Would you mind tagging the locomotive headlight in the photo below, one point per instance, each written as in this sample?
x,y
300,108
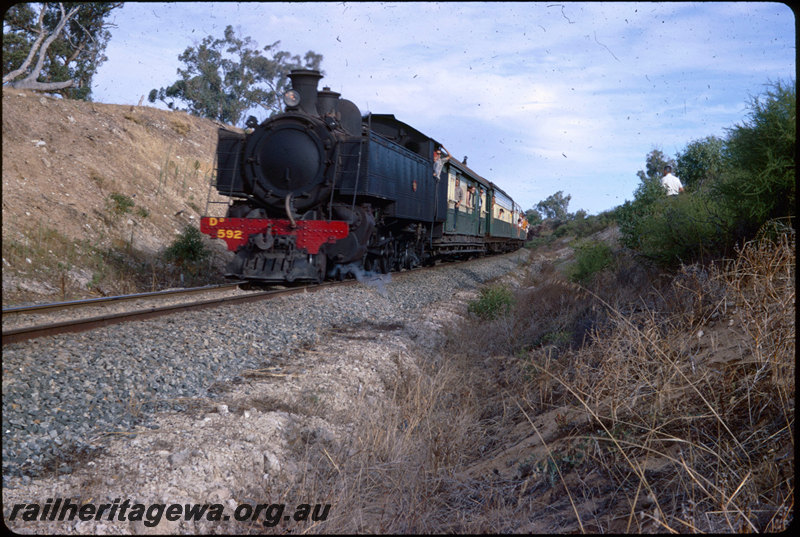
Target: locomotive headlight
x,y
291,98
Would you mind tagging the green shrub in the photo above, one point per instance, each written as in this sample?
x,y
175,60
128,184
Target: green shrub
x,y
188,248
733,186
562,231
561,338
542,240
582,225
493,302
590,258
759,180
676,229
632,215
700,163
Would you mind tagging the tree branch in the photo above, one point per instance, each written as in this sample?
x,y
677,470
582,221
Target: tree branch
x,y
40,63
29,82
75,54
22,68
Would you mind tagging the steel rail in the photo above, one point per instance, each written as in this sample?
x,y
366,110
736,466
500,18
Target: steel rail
x,y
118,298
15,335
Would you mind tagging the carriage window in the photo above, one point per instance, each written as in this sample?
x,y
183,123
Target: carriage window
x,y
502,213
451,182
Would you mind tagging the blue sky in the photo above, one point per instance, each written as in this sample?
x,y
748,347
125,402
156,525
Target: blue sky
x,y
542,97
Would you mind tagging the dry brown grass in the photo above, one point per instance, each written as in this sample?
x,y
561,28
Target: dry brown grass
x,y
387,477
641,424
159,160
692,406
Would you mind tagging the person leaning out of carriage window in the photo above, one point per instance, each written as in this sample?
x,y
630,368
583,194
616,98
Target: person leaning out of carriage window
x,y
670,182
478,203
439,159
470,196
458,200
458,194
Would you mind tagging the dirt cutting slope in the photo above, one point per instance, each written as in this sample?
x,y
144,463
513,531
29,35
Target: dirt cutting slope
x,y
66,164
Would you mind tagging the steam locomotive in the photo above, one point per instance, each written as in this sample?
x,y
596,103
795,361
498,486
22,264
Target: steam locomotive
x,y
320,191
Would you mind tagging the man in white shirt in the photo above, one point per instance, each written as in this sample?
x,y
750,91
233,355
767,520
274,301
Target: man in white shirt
x,y
670,182
439,160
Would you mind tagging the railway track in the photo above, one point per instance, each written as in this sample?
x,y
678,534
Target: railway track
x,y
21,323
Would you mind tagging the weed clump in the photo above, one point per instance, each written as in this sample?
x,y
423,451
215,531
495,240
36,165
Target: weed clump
x,y
494,302
180,127
120,203
590,258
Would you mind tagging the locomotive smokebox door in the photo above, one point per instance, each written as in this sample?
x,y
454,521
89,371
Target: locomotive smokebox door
x,y
288,158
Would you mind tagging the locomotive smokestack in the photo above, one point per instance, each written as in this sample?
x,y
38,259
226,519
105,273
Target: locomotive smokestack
x,y
305,82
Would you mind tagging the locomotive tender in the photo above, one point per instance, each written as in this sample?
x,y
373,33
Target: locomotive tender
x,y
322,191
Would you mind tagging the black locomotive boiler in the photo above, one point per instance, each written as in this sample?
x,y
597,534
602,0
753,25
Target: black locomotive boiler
x,y
322,191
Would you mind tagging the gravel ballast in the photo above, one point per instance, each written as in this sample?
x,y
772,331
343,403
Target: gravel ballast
x,y
63,395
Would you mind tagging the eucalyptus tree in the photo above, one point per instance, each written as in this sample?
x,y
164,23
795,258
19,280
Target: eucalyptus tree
x,y
555,206
222,78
